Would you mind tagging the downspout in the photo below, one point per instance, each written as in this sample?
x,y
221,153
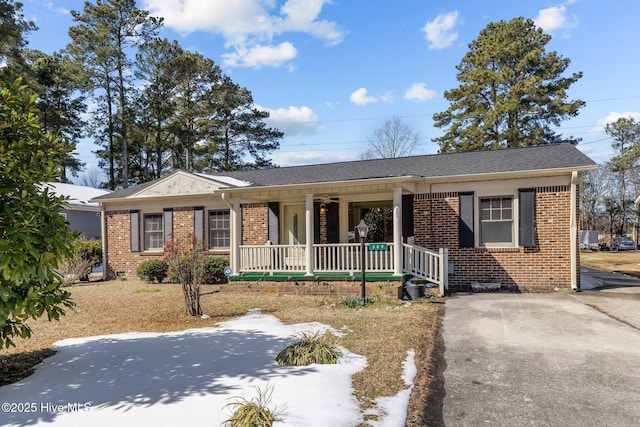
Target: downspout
x,y
233,252
573,231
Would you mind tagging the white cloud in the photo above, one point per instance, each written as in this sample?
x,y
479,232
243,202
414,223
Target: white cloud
x,y
555,18
440,32
612,117
260,56
292,120
361,97
301,15
249,26
419,92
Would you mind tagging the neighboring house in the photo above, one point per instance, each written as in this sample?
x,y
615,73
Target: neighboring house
x,y
82,215
506,216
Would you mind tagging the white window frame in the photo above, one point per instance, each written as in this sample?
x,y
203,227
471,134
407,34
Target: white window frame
x,y
146,216
511,193
210,229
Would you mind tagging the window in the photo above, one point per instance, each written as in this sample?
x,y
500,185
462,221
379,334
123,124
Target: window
x,y
219,229
496,220
153,232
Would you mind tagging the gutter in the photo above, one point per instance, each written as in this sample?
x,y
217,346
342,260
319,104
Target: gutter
x,y
573,231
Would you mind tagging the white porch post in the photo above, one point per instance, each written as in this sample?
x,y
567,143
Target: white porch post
x,y
236,236
309,233
397,231
343,209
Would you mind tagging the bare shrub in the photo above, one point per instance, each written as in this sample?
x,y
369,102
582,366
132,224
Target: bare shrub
x,y
184,257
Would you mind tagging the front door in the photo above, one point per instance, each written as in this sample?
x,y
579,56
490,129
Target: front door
x,y
294,230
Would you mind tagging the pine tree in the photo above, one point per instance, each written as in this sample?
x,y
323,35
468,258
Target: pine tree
x,y
13,42
512,91
238,137
105,33
59,101
157,104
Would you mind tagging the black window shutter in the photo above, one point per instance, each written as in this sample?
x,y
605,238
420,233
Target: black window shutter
x,y
134,230
407,216
465,203
167,224
316,222
274,229
198,224
527,220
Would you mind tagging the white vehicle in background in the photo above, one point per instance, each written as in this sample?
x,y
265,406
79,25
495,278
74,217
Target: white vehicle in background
x,y
589,240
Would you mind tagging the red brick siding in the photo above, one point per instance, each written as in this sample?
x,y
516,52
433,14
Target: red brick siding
x,y
255,224
543,267
120,260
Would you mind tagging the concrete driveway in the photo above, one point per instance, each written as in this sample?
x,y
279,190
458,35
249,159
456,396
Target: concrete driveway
x,y
541,360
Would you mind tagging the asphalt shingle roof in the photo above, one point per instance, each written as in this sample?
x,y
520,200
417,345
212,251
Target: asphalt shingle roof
x,y
545,157
555,156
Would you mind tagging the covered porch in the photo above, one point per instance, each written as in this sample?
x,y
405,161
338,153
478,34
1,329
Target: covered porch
x,y
343,262
317,239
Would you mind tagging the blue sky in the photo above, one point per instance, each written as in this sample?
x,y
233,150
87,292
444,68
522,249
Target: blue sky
x,y
330,72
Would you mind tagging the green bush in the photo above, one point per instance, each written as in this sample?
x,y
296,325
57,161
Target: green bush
x,y
88,249
86,254
213,270
310,349
152,270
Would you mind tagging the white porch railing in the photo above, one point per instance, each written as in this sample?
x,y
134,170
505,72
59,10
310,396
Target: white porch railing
x,y
346,257
430,265
273,258
337,257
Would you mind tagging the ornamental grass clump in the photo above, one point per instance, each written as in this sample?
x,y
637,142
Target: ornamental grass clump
x,y
254,412
356,302
311,348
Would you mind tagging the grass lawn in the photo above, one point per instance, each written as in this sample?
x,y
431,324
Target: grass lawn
x,y
382,332
627,262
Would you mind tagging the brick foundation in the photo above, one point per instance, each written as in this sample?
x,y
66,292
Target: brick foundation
x,y
340,289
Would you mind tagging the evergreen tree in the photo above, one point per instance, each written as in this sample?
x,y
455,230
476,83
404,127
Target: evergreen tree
x,y
626,143
157,68
238,138
512,90
196,77
106,32
60,103
34,237
13,44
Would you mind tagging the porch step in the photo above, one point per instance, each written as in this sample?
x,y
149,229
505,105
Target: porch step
x,y
421,281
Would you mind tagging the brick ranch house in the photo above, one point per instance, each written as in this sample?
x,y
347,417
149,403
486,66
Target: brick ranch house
x,y
505,216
